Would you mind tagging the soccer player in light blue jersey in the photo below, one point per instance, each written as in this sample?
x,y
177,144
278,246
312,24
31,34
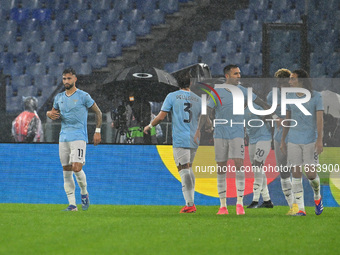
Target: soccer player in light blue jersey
x,y
282,76
229,138
72,107
259,148
304,141
185,109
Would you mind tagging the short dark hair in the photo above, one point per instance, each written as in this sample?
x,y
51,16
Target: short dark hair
x,y
184,79
69,70
229,67
305,80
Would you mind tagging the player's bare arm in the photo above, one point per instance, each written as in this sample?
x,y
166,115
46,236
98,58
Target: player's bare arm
x,y
54,114
159,118
319,126
97,136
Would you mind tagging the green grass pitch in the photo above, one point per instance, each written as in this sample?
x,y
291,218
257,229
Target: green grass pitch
x,y
113,229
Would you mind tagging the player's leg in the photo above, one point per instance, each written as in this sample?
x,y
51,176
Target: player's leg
x,y
311,160
295,159
182,160
236,152
78,153
285,173
69,185
192,157
221,157
257,178
262,150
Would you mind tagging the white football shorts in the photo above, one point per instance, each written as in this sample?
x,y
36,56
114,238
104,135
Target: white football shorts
x,y
72,152
228,149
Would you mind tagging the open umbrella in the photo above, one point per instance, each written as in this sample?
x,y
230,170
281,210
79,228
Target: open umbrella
x,y
152,84
331,103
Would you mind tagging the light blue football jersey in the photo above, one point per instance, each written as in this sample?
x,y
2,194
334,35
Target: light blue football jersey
x,y
225,111
305,131
73,111
256,134
277,131
185,108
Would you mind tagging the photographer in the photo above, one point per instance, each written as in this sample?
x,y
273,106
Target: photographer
x,y
130,118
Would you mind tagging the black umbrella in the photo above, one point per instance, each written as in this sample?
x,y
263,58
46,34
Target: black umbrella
x,y
151,84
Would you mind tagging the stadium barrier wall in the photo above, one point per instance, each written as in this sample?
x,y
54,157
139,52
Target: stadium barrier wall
x,y
116,174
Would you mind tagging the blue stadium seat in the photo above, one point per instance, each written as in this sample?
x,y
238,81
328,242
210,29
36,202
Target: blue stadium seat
x,y
298,5
87,49
8,26
244,16
8,5
239,37
65,47
119,27
247,70
291,16
29,25
57,70
230,26
268,15
31,4
112,49
142,28
76,59
58,5
78,5
36,69
65,17
225,48
215,37
31,36
42,47
217,69
87,16
253,26
72,27
147,6
21,81
187,58
50,59
201,47
252,47
8,37
84,69
27,91
126,39
156,17
93,27
123,5
279,5
133,16
14,104
239,58
168,6
211,58
98,61
258,5
43,81
109,16
42,15
50,27
19,15
55,37
101,5
78,36
29,58
18,47
255,59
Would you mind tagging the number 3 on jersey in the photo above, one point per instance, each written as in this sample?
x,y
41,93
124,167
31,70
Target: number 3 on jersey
x,y
187,109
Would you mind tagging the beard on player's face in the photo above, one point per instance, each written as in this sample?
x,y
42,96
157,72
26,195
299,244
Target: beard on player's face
x,y
69,85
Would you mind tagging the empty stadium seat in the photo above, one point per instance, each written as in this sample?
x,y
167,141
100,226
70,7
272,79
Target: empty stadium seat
x,y
19,15
36,69
230,26
98,61
147,6
168,6
87,16
42,15
21,81
211,58
142,28
133,16
123,5
121,26
244,16
126,39
84,69
87,49
225,48
201,47
112,49
65,47
187,58
215,37
156,17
